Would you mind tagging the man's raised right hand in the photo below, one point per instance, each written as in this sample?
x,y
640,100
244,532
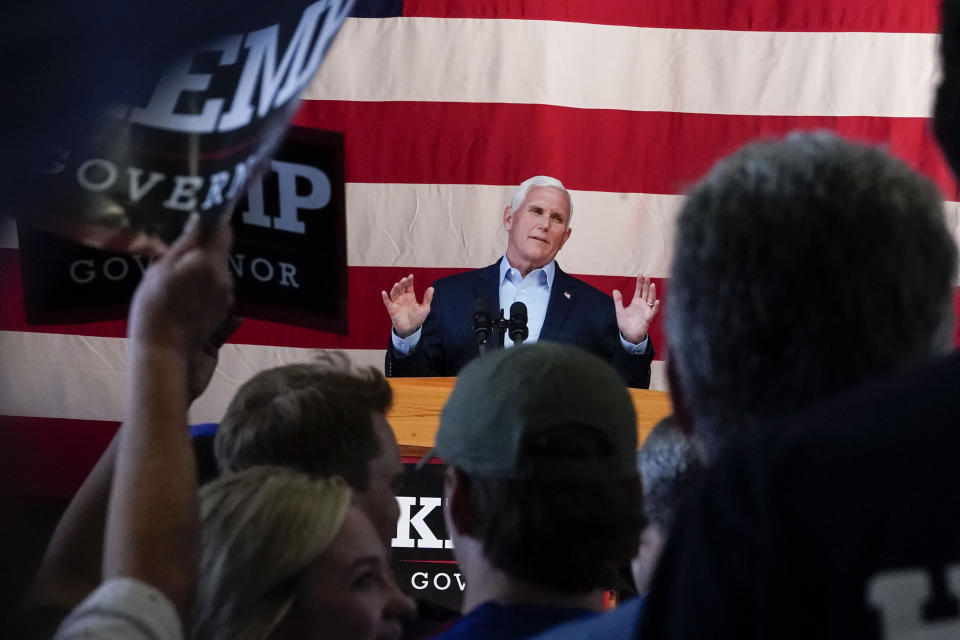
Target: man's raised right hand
x,y
406,313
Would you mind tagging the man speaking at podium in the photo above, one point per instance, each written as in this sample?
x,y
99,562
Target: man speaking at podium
x,y
438,336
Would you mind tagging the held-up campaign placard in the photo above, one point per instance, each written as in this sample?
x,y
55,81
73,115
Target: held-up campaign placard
x,y
288,259
134,172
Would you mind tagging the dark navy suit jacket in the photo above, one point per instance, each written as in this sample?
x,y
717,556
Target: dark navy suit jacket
x,y
577,314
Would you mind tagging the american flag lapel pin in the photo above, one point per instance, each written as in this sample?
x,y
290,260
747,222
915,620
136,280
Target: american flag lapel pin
x,y
566,294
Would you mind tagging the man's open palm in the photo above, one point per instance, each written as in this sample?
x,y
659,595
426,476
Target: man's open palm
x,y
406,314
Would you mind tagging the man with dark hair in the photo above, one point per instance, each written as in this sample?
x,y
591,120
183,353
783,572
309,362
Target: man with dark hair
x,y
669,466
325,418
802,267
875,465
542,495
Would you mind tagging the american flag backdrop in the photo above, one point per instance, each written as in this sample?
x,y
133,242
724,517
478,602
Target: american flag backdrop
x,y
446,105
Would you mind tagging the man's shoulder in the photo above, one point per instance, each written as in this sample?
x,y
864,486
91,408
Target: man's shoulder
x,y
872,418
510,621
616,624
793,507
581,288
123,608
465,278
905,422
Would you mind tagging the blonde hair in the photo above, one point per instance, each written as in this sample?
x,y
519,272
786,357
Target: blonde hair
x,y
261,529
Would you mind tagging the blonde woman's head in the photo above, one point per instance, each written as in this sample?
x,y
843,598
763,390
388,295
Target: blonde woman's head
x,y
284,554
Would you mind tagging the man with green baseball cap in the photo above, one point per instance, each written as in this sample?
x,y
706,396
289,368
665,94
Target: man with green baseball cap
x,y
542,495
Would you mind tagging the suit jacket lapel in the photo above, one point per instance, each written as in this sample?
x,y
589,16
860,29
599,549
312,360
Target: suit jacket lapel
x,y
487,287
562,296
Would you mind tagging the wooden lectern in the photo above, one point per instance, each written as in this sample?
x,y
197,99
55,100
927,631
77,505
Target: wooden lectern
x,y
417,403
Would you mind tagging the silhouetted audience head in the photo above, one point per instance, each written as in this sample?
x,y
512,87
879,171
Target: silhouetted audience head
x,y
669,465
325,418
541,480
285,555
871,464
801,267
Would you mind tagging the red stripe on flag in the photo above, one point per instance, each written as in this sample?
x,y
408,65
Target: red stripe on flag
x,y
369,325
903,16
50,457
13,314
588,149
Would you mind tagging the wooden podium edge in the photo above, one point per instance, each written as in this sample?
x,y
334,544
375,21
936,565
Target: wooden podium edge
x,y
417,403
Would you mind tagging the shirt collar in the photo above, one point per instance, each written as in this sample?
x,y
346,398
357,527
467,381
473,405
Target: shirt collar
x,y
548,270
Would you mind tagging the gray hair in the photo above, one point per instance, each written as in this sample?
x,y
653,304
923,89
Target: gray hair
x,y
669,464
800,268
261,529
540,181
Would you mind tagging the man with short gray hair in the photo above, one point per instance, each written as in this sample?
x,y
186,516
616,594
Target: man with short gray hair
x,y
833,264
435,336
802,267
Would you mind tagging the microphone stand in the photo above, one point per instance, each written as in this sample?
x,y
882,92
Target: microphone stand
x,y
516,325
481,324
501,324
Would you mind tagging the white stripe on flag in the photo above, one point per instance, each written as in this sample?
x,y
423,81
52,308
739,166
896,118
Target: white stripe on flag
x,y
47,375
643,69
460,226
614,234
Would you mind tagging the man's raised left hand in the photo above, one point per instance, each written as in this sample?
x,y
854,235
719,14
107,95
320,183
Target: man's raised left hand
x,y
634,320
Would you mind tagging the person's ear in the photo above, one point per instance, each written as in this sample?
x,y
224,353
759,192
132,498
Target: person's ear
x,y
566,236
507,218
456,490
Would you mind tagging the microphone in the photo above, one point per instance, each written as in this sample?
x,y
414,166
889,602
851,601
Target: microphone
x,y
481,322
518,322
